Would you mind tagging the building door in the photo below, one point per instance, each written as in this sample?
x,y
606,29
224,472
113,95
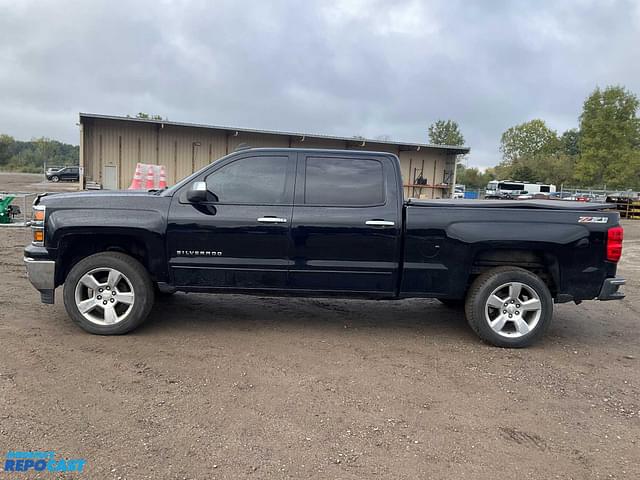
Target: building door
x,y
110,177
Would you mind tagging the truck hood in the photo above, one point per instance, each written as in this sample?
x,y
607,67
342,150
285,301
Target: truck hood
x,y
103,199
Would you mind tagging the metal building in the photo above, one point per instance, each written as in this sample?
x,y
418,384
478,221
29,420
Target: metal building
x,y
111,146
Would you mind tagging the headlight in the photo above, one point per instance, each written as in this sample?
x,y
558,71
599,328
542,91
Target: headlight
x,y
37,225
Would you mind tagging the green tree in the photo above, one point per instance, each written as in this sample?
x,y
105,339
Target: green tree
x,y
527,140
147,116
524,172
472,177
610,139
570,142
16,155
445,132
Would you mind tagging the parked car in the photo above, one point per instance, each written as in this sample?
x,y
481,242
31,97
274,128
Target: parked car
x,y
458,191
71,174
583,197
320,223
560,196
534,196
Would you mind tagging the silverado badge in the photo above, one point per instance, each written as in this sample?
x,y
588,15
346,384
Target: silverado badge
x,y
197,253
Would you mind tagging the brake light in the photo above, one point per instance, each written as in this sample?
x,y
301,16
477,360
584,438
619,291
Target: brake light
x,y
614,243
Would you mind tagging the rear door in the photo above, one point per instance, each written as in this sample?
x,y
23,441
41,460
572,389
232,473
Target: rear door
x,y
238,238
346,224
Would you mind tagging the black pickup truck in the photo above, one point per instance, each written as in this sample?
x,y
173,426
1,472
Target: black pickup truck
x,y
320,223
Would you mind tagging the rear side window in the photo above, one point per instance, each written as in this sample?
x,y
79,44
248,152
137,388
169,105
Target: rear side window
x,y
252,180
343,181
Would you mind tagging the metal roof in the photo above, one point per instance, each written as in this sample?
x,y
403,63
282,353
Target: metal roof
x,y
457,150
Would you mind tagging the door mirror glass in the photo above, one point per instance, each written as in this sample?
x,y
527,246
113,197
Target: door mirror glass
x,y
197,192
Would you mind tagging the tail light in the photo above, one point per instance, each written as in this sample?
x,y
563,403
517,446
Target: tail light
x,y
614,243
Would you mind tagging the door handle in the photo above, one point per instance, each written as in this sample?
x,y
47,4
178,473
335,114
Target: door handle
x,y
380,223
272,220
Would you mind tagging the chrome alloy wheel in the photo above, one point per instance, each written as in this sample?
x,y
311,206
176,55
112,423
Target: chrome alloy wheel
x,y
513,309
104,296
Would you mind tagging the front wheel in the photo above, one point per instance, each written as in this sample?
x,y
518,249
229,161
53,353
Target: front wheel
x,y
509,307
55,179
108,293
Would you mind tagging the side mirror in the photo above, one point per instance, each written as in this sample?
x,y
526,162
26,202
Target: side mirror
x,y
197,192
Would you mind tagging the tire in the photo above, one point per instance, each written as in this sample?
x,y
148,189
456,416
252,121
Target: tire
x,y
113,290
452,302
528,313
55,179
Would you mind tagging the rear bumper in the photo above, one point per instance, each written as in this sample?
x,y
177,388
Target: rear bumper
x,y
609,290
41,274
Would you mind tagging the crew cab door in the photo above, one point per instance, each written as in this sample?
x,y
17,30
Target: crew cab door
x,y
239,237
346,224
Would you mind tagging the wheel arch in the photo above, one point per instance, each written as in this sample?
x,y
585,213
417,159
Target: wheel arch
x,y
538,261
140,245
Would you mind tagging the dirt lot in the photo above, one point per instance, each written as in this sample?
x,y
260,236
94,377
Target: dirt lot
x,y
32,182
243,387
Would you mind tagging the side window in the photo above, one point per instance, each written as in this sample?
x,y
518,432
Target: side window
x,y
344,181
252,180
545,188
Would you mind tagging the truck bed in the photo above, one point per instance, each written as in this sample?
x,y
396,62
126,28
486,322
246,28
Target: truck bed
x,y
536,204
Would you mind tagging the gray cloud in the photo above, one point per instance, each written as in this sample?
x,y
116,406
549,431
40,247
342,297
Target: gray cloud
x,y
346,68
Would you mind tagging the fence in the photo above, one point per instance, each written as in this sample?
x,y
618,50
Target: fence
x,y
23,201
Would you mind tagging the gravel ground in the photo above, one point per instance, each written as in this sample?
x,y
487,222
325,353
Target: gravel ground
x,y
230,386
32,182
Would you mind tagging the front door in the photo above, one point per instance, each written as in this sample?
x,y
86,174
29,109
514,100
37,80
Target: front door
x,y
346,224
239,238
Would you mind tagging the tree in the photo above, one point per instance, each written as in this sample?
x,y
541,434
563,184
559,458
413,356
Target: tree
x,y
527,140
610,139
445,132
472,177
30,156
570,142
524,172
147,116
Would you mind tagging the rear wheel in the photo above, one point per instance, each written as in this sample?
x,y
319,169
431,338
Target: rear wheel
x,y
509,307
108,293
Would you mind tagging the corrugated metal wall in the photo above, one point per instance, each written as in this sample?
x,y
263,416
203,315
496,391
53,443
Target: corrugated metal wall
x,y
183,150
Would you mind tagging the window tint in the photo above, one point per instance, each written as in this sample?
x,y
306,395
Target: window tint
x,y
511,186
545,188
344,181
252,180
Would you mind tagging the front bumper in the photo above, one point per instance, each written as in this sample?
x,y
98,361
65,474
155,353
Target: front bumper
x,y
41,274
609,290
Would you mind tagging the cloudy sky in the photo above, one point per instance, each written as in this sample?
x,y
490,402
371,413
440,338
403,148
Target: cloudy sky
x,y
353,67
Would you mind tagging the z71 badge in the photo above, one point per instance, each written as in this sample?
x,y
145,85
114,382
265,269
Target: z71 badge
x,y
593,219
197,253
